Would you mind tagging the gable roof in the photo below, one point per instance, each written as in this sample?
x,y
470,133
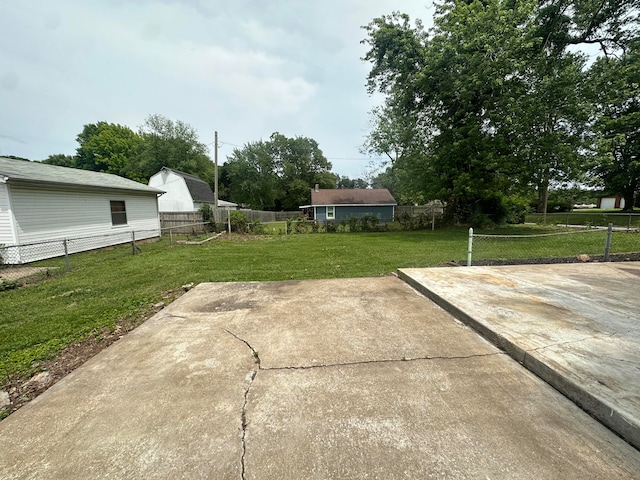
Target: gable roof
x,y
14,171
352,196
199,189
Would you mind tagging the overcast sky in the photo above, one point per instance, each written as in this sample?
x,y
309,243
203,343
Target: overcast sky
x,y
245,68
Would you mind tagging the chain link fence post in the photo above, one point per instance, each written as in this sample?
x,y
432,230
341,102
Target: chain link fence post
x,y
133,242
470,247
607,245
66,255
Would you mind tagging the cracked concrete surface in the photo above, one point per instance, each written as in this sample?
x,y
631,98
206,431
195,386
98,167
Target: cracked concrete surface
x,y
351,378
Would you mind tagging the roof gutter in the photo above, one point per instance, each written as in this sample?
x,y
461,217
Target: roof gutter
x,y
26,182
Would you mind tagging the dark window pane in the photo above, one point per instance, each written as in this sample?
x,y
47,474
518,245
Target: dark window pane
x,y
118,212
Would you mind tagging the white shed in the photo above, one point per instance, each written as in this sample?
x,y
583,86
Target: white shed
x,y
610,202
184,192
41,203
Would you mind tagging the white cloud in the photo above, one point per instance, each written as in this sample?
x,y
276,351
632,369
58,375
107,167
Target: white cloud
x,y
245,68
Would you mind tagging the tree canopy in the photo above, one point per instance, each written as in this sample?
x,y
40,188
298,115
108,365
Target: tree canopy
x,y
616,84
276,174
159,142
491,102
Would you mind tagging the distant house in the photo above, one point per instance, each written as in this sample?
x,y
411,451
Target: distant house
x,y
184,192
340,204
609,202
40,202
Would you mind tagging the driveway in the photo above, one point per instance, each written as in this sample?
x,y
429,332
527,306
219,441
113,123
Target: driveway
x,y
350,378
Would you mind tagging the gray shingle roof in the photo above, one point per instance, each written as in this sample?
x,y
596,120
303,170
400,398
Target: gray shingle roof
x,y
352,196
199,189
21,171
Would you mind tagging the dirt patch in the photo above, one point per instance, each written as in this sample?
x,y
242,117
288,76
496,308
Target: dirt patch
x,y
23,389
22,273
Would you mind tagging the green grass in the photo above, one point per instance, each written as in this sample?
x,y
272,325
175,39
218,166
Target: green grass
x,y
588,217
38,321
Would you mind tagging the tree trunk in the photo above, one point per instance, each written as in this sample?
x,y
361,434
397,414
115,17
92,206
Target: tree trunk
x,y
543,196
629,201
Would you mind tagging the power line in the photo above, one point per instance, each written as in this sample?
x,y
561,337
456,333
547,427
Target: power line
x,y
355,158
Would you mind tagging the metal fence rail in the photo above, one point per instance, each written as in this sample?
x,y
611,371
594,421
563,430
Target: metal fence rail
x,y
63,247
599,243
629,220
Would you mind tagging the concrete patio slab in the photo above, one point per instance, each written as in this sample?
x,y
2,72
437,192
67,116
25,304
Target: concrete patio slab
x,y
577,326
356,378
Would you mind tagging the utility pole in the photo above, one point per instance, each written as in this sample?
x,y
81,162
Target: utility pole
x,y
215,190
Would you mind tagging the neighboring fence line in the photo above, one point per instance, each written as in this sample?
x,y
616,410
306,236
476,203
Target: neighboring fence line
x,y
175,220
601,242
431,209
630,220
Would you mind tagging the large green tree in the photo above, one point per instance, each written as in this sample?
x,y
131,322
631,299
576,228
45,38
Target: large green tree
x,y
107,147
452,83
172,144
617,96
278,173
491,101
61,160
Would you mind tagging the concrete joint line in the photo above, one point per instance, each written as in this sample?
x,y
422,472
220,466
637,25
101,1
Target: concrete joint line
x,y
243,415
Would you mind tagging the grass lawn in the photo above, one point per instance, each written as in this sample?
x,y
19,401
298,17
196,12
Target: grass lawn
x,y
38,321
599,218
103,287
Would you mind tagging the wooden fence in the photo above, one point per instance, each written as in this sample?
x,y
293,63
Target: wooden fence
x,y
181,222
191,222
431,209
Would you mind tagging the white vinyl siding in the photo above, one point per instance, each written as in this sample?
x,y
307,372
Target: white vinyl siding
x,y
177,197
6,225
45,214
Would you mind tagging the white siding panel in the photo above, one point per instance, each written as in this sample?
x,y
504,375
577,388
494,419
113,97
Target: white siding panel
x,y
84,217
177,197
608,203
6,230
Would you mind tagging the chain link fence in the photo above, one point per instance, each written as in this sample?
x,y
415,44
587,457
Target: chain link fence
x,y
628,220
601,244
32,252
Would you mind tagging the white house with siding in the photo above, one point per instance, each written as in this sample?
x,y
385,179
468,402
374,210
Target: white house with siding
x,y
42,203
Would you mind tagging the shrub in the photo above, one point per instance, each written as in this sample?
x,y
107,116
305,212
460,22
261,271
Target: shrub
x,y
515,209
8,285
369,222
238,222
394,226
257,228
208,217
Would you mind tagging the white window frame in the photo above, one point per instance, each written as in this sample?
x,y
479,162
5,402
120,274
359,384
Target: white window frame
x,y
118,217
332,215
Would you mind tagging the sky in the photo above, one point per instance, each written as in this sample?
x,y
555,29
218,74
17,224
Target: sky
x,y
244,68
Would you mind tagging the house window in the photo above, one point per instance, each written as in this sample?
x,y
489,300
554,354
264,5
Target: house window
x,y
331,213
118,212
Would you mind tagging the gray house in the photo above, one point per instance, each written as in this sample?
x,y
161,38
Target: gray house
x,y
340,204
